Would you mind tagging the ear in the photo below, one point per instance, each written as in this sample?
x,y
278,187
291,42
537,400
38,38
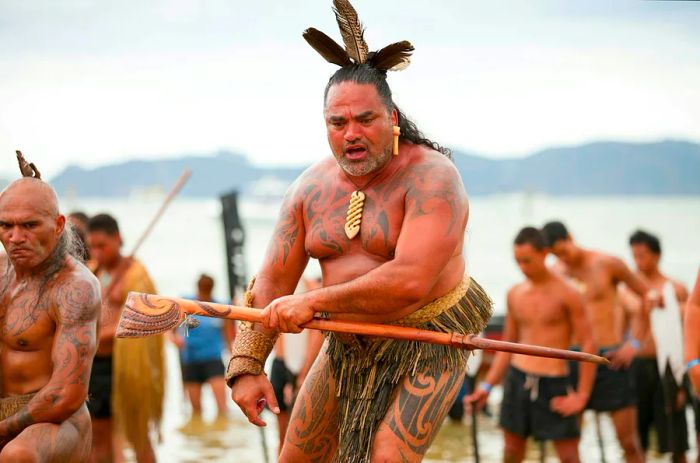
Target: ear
x,y
394,117
60,224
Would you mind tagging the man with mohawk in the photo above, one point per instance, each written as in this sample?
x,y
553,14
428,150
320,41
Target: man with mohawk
x,y
49,307
385,217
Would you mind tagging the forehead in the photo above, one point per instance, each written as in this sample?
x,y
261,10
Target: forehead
x,y
525,248
100,235
353,97
640,248
22,209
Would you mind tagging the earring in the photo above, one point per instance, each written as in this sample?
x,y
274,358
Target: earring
x,y
397,132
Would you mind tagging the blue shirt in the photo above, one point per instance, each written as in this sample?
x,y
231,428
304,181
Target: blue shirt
x,y
205,342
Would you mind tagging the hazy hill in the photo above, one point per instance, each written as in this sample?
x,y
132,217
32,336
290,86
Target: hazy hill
x,y
662,168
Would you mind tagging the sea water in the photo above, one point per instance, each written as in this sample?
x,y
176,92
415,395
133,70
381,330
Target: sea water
x,y
188,240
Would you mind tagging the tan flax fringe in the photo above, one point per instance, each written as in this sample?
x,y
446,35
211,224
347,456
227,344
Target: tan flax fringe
x,y
11,405
138,375
367,372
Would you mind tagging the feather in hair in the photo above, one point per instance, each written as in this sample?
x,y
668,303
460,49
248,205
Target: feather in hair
x,y
327,47
394,57
351,30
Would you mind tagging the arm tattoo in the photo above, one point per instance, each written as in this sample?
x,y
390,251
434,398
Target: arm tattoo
x,y
286,233
431,183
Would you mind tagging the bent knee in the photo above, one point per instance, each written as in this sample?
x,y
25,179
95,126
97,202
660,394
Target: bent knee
x,y
18,453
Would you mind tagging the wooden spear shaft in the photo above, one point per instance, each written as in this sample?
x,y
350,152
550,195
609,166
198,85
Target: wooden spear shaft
x,y
147,314
121,271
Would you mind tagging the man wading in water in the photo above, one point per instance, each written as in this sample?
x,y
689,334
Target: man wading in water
x,y
385,217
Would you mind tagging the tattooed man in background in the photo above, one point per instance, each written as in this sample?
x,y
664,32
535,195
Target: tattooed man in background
x,y
388,232
49,306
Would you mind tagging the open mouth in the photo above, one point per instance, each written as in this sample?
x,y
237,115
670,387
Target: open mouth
x,y
355,152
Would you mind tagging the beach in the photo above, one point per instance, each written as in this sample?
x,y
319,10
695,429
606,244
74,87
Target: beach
x,y
189,240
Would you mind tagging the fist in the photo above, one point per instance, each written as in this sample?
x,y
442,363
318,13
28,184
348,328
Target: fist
x,y
287,313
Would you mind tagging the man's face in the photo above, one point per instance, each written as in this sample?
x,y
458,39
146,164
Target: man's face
x,y
28,231
565,250
530,260
104,248
644,259
359,127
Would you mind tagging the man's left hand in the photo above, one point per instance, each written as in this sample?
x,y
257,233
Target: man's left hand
x,y
622,357
287,313
569,404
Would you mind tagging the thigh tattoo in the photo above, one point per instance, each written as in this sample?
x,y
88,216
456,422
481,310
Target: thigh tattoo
x,y
420,406
313,425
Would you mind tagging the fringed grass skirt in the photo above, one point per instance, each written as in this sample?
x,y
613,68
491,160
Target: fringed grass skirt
x,y
11,405
368,371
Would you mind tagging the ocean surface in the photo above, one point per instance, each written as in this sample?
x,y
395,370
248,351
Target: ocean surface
x,y
189,240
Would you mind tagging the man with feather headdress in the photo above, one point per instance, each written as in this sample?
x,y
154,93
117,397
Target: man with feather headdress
x,y
385,217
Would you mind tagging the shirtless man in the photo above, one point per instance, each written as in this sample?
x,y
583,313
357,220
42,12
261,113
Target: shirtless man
x,y
651,405
598,276
49,306
538,396
366,399
127,382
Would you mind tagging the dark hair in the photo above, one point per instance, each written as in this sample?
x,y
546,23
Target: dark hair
x,y
80,216
533,236
651,241
365,74
205,282
555,231
104,223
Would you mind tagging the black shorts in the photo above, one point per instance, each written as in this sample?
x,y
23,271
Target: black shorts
x,y
280,376
100,389
651,409
201,372
524,413
613,389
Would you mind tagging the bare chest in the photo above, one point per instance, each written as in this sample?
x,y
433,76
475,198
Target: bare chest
x,y
539,311
595,284
325,216
25,323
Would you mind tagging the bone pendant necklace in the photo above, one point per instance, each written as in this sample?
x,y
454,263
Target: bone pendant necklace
x,y
353,219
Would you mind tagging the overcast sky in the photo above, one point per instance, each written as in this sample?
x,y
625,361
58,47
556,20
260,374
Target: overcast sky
x,y
99,81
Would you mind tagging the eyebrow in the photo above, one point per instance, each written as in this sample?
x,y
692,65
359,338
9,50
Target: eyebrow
x,y
362,115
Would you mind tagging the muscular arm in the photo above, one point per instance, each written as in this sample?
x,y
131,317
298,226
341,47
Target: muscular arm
x,y
436,212
286,257
77,309
582,328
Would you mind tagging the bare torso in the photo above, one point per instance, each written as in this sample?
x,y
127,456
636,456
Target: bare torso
x,y
326,194
27,328
542,317
596,279
633,303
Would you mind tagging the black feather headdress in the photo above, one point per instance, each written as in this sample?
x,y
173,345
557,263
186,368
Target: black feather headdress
x,y
394,57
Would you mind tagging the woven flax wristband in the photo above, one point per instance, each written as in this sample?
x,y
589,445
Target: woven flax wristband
x,y
250,349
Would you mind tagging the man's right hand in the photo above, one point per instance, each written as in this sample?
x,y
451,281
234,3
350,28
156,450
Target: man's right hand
x,y
251,392
476,399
